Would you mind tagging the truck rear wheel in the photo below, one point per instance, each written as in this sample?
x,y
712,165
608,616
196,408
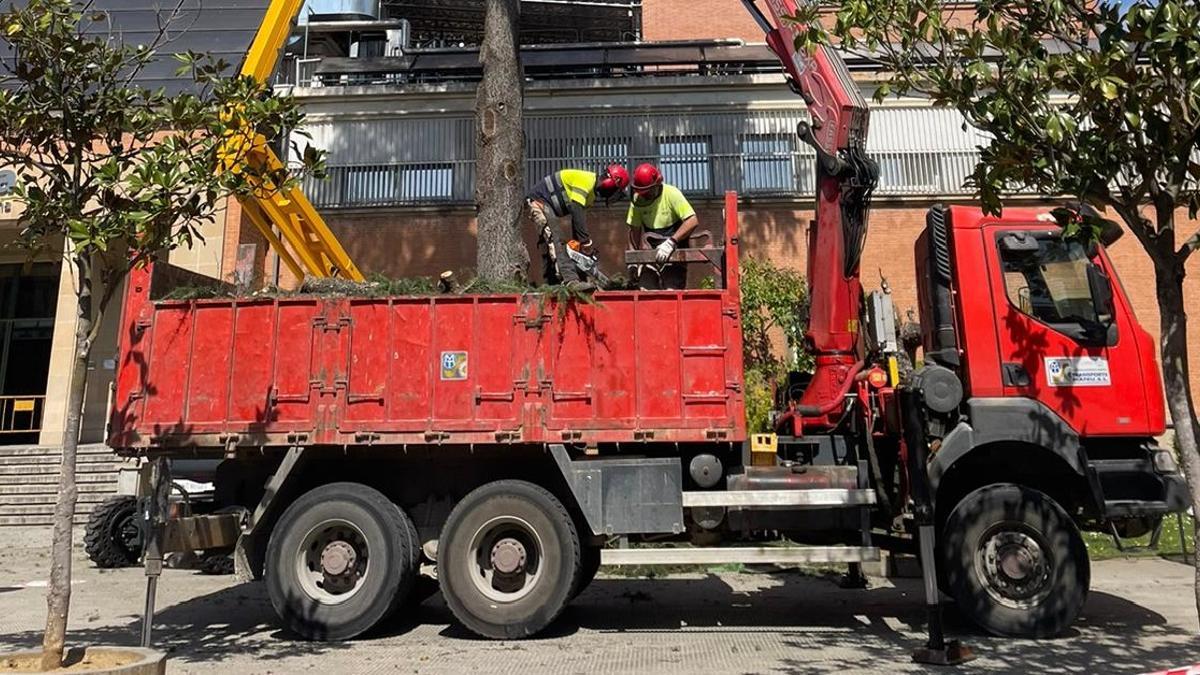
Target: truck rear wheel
x,y
508,559
341,559
113,536
589,565
1015,562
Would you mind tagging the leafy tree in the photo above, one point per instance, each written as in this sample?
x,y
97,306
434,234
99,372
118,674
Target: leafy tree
x,y
116,175
774,303
1097,100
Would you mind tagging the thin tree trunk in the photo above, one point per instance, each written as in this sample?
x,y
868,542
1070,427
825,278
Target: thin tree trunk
x,y
58,595
1173,346
499,182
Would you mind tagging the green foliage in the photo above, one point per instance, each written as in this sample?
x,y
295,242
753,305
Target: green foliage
x,y
774,303
1099,100
120,172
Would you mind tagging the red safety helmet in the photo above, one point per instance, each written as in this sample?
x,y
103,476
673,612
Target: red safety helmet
x,y
646,177
613,181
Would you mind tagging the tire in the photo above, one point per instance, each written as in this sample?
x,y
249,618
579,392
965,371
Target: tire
x,y
316,577
113,537
589,565
515,525
1015,562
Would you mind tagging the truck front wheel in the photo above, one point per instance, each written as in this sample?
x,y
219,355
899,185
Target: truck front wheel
x,y
341,559
508,559
1015,562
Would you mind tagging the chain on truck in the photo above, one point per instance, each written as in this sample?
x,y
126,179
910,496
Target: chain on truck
x,y
510,447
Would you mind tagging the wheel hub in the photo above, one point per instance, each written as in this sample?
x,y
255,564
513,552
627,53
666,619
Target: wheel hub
x,y
338,558
1015,569
332,561
508,556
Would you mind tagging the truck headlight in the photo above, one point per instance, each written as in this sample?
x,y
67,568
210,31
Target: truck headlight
x,y
1164,462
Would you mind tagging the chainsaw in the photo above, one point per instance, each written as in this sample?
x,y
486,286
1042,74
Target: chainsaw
x,y
588,264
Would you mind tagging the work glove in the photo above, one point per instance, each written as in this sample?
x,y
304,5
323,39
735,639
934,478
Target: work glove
x,y
664,251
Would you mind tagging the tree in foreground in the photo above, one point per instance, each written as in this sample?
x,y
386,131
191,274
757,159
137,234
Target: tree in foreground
x,y
1090,99
114,175
500,140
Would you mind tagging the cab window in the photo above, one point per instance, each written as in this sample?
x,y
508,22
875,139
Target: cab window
x,y
1048,279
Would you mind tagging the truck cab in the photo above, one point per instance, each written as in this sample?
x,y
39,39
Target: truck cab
x,y
1036,374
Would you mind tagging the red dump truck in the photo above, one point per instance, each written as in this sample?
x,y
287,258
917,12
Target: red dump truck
x,y
511,440
515,443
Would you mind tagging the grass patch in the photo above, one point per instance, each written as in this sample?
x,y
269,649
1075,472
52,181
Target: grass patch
x,y
1101,547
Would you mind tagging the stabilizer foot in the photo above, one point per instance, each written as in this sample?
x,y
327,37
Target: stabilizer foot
x,y
853,579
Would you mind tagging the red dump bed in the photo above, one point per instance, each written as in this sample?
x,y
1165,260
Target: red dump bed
x,y
636,366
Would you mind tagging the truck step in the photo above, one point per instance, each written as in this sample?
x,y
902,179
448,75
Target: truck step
x,y
749,554
780,499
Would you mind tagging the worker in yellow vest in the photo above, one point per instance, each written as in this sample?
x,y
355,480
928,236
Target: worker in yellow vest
x,y
569,192
661,218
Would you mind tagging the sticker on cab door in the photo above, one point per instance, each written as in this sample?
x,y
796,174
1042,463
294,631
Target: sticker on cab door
x,y
1085,371
454,365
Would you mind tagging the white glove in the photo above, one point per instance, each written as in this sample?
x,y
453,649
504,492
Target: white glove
x,y
664,251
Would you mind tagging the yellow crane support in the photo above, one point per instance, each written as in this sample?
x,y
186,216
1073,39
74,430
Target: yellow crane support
x,y
304,242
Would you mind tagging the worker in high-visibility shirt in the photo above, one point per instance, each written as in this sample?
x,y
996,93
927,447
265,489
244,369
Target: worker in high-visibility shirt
x,y
569,192
661,218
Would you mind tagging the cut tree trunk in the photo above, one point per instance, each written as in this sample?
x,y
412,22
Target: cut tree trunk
x,y
1173,345
58,594
499,184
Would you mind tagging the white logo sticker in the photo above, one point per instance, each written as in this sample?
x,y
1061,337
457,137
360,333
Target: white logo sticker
x,y
1084,371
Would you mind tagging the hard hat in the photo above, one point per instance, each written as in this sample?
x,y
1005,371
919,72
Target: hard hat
x,y
613,180
646,177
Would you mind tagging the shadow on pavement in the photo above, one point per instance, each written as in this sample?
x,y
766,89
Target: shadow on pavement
x,y
880,624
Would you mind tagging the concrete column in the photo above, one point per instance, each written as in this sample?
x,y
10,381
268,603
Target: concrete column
x,y
62,351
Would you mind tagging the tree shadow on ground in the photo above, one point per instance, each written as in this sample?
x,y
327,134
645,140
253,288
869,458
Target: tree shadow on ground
x,y
881,624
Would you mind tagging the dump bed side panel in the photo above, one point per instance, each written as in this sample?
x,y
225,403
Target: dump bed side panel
x,y
629,367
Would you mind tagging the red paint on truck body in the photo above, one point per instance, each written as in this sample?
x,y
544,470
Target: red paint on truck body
x,y
636,366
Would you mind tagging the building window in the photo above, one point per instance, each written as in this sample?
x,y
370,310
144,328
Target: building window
x,y
908,172
684,161
768,164
426,182
367,185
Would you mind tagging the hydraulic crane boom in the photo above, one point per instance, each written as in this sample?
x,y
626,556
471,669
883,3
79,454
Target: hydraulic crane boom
x,y
845,179
304,242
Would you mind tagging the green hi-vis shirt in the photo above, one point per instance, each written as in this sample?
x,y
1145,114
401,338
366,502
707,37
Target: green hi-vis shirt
x,y
665,213
559,189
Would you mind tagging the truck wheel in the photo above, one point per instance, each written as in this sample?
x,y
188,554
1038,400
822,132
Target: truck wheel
x,y
589,565
508,559
113,537
340,560
1015,562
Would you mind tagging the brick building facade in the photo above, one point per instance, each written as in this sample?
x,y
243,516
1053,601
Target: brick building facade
x,y
430,238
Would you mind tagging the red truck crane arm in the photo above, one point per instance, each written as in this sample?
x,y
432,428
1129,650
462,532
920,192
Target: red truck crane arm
x,y
846,178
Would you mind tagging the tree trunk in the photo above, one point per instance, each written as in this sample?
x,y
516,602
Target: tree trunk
x,y
499,183
58,595
1173,347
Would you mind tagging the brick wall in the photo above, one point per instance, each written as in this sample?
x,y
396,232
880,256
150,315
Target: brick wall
x,y
716,19
425,243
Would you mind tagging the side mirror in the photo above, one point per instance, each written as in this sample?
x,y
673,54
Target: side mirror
x,y
1101,291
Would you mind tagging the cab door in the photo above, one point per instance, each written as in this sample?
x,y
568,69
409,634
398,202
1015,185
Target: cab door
x,y
1060,340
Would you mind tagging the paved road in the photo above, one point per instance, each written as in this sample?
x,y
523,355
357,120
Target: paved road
x,y
1139,617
